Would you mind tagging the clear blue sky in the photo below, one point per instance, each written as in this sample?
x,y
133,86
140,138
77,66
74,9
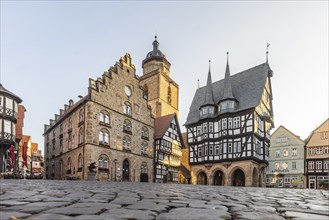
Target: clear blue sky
x,y
49,50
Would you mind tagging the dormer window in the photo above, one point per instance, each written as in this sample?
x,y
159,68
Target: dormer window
x,y
226,105
207,110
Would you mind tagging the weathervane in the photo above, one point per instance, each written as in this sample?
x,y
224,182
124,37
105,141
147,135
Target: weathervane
x,y
267,46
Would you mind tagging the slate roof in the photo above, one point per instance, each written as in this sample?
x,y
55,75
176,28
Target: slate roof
x,y
227,91
209,96
155,52
4,90
247,89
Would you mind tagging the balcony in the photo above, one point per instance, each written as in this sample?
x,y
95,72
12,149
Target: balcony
x,y
8,113
127,130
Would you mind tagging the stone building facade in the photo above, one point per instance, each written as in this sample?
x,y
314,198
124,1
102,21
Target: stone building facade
x,y
286,160
160,89
111,126
228,128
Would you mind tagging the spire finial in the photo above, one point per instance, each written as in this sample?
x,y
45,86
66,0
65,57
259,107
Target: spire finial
x,y
227,56
198,84
267,46
209,65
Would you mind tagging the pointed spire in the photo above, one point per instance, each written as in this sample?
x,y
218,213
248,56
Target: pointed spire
x,y
227,93
209,96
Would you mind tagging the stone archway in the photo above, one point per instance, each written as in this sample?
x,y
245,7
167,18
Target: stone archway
x,y
125,170
238,178
219,178
202,178
254,177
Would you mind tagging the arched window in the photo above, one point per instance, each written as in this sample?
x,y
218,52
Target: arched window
x,y
145,92
70,125
169,95
69,141
145,133
127,108
104,117
81,115
126,143
61,129
69,164
101,117
79,161
81,135
103,162
144,147
144,167
104,137
127,126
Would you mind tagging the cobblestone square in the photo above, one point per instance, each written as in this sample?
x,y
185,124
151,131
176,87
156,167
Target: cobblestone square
x,y
43,199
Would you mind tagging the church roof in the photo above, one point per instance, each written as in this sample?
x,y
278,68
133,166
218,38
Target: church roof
x,y
7,92
156,52
247,89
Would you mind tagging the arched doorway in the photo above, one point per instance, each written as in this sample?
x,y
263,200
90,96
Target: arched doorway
x,y
254,177
202,178
144,175
125,170
219,178
238,178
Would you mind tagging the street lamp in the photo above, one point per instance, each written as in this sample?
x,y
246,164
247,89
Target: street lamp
x,y
115,169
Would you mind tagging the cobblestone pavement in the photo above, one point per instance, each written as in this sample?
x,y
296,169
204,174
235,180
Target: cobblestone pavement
x,y
43,199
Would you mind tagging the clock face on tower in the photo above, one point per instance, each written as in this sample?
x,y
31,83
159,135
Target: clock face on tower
x,y
128,91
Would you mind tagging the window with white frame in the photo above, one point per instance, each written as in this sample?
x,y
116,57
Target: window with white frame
x,y
326,150
311,165
199,152
211,147
103,162
104,137
287,179
236,122
319,150
293,165
311,151
127,108
318,165
224,125
229,148
216,149
294,152
277,153
326,165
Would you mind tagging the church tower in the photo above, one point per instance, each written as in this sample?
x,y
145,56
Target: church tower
x,y
159,89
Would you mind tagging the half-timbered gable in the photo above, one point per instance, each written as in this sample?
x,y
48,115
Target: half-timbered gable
x,y
238,127
168,148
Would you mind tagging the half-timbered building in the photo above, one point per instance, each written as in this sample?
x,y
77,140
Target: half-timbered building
x,y
168,148
317,158
228,128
